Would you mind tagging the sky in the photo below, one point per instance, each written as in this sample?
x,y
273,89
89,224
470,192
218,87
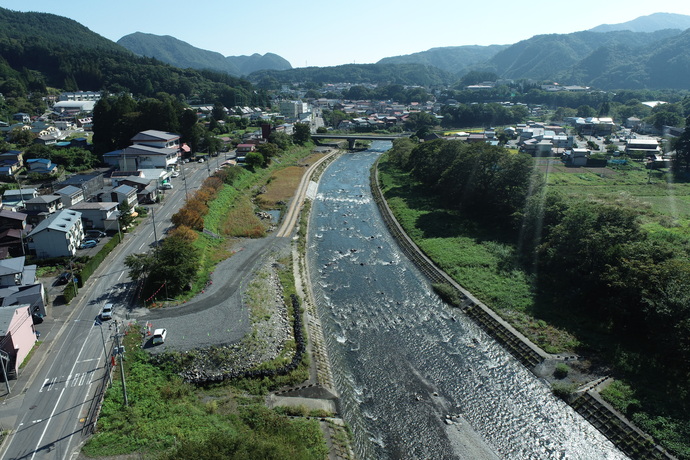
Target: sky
x,y
324,33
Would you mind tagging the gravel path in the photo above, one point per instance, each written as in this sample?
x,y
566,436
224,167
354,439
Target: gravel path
x,y
217,316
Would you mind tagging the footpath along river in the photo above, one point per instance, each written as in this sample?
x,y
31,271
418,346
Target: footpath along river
x,y
417,379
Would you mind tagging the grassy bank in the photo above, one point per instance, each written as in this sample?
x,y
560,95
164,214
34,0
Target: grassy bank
x,y
169,419
484,261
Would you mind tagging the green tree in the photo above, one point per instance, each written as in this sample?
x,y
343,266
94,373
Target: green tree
x,y
301,134
419,120
254,160
21,137
126,218
681,161
177,264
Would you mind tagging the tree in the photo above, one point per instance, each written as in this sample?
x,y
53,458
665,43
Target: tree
x,y
419,120
280,139
126,218
254,160
681,162
21,137
177,263
302,134
218,111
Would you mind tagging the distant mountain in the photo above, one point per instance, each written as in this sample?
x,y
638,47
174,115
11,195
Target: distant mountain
x,y
545,57
650,23
181,54
454,59
403,74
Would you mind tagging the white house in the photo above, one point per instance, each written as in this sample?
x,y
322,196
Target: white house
x,y
99,215
70,195
58,236
141,157
157,139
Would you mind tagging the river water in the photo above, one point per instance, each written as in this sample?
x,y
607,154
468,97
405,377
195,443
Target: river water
x,y
404,362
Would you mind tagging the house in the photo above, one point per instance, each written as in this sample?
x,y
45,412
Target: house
x,y
98,215
89,183
70,195
17,336
577,157
21,117
18,285
58,236
243,149
141,157
642,147
157,139
40,207
12,220
15,198
123,193
41,166
147,189
46,139
11,162
13,272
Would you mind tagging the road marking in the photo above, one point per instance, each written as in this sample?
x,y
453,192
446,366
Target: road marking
x,y
47,424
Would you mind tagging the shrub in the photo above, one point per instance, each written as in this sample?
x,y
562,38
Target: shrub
x,y
561,371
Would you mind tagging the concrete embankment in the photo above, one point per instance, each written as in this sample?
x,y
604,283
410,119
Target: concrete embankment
x,y
587,402
318,394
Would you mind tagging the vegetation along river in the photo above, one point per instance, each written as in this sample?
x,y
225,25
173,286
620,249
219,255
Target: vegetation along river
x,y
417,379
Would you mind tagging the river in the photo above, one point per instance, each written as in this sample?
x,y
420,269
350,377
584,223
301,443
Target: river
x,y
417,379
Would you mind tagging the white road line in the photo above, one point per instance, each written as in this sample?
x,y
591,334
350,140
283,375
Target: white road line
x,y
47,424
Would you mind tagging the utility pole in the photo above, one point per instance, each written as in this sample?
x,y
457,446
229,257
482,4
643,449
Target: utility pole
x,y
5,358
105,352
122,369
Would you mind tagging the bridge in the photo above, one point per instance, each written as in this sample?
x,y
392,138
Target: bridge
x,y
352,138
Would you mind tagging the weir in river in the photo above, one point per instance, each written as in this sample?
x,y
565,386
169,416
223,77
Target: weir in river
x,y
418,379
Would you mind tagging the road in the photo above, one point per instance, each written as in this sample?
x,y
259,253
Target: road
x,y
57,401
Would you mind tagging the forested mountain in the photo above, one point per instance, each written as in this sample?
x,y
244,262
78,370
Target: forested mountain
x,y
649,23
453,59
543,57
39,50
403,74
181,54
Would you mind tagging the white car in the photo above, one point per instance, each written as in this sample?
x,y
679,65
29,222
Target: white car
x,y
107,312
167,186
159,336
175,174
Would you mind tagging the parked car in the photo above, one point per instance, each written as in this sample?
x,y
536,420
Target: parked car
x,y
95,234
107,312
201,160
167,186
88,244
159,336
64,277
175,174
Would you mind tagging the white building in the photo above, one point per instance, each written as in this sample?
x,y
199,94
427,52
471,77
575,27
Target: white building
x,y
58,236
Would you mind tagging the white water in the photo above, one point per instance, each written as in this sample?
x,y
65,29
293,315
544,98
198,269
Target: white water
x,y
404,361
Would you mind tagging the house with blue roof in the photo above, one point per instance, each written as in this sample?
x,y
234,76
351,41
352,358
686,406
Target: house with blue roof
x,y
41,166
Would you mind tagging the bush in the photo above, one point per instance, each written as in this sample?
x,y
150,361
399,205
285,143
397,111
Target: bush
x,y
565,391
561,371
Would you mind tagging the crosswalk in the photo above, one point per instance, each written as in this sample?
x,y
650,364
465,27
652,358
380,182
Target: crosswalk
x,y
72,381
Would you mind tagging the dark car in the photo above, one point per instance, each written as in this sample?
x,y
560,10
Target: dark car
x,y
64,277
95,234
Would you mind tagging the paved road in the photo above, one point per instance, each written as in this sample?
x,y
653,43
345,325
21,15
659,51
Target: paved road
x,y
53,398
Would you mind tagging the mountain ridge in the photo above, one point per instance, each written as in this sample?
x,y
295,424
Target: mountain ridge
x,y
174,51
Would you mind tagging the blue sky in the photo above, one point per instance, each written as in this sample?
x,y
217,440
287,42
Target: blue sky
x,y
311,33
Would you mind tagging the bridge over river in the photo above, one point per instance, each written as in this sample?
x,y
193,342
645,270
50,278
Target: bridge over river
x,y
352,138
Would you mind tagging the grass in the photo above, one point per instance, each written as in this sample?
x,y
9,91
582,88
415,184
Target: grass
x,y
166,415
